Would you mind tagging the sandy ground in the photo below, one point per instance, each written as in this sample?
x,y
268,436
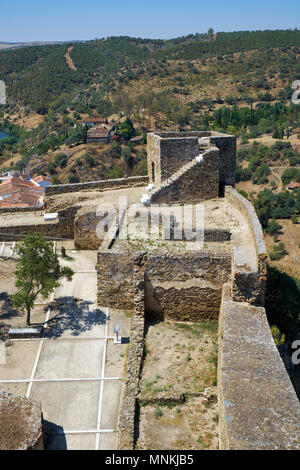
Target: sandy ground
x,y
181,358
110,198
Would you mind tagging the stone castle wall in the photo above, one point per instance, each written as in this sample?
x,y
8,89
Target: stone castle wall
x,y
180,286
135,358
169,151
193,183
186,287
227,157
61,228
250,286
115,286
258,406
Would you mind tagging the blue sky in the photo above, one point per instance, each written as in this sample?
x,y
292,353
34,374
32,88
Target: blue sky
x,y
60,20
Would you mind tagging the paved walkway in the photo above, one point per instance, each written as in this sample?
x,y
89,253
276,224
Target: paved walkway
x,y
75,369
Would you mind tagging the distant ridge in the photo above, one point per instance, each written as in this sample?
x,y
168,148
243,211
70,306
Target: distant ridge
x,y
17,45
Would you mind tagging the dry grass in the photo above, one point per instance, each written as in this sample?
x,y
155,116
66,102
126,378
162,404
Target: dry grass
x,y
180,358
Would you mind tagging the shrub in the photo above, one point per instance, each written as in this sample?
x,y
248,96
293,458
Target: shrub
x,y
279,337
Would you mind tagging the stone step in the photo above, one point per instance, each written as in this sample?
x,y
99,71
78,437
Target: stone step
x,y
174,176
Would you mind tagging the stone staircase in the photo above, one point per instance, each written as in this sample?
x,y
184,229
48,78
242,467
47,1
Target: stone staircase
x,y
174,177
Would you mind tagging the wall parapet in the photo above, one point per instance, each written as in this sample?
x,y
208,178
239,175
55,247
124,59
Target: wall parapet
x,y
258,406
131,182
135,357
201,175
250,287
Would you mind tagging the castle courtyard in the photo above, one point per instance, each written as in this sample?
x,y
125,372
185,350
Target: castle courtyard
x,y
75,371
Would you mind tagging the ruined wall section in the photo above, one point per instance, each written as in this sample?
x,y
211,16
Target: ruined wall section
x,y
101,185
115,287
183,286
20,423
227,157
186,287
63,228
154,158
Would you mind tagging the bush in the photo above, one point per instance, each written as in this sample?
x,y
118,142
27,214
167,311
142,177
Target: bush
x,y
273,227
61,160
90,160
279,338
278,252
142,168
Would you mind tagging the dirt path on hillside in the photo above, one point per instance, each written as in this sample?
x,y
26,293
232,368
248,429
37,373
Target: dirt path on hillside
x,y
277,177
69,60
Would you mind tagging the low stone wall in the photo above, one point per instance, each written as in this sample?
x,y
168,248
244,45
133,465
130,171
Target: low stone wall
x,y
131,182
250,286
21,209
20,423
258,406
134,360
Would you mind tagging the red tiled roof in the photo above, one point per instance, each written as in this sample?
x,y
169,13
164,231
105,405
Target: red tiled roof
x,y
39,178
98,131
17,191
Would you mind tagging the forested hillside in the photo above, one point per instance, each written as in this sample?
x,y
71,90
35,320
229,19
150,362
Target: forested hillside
x,y
239,83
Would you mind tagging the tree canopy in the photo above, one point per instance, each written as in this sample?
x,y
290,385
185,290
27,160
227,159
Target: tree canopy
x,y
38,272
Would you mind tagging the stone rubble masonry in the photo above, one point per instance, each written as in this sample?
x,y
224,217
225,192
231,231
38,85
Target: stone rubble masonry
x,y
169,151
258,406
21,209
250,287
85,229
135,357
20,423
115,287
186,286
181,286
194,182
61,228
102,185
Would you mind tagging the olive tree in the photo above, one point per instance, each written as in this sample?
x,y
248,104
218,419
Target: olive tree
x,y
38,272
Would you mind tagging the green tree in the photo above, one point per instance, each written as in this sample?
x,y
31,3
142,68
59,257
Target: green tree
x,y
38,272
273,227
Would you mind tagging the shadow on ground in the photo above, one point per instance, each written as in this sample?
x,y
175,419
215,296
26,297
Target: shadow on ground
x,y
7,312
75,316
55,438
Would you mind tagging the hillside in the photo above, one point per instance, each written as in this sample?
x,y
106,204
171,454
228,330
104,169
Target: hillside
x,y
239,83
